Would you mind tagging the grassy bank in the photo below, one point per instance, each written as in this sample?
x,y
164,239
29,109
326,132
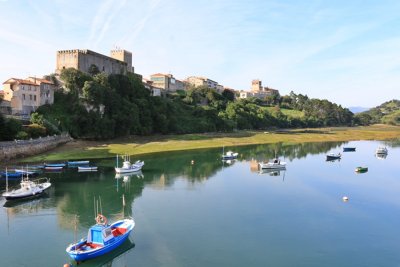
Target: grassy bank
x,y
161,143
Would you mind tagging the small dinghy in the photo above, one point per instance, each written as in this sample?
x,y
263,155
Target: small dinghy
x,y
87,168
333,156
361,169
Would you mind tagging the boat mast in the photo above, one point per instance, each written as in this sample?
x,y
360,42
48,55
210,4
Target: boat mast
x,y
6,180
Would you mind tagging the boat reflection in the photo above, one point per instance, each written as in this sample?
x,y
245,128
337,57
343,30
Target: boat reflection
x,y
272,172
27,204
128,175
381,156
116,257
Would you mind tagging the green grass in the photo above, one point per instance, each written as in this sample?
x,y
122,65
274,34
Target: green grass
x,y
161,143
288,112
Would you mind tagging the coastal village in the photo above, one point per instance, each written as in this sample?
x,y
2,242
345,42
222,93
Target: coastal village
x,y
21,96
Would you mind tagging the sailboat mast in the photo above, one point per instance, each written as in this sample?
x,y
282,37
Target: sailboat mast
x,y
6,180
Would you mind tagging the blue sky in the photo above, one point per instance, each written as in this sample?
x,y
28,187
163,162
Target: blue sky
x,y
345,51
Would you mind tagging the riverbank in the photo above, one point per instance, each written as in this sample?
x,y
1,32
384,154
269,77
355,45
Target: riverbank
x,y
138,145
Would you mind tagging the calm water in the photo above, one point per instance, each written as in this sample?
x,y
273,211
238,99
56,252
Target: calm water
x,y
220,214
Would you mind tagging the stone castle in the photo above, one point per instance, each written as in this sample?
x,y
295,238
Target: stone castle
x,y
119,62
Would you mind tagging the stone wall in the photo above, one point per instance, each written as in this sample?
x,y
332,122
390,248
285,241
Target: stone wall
x,y
22,148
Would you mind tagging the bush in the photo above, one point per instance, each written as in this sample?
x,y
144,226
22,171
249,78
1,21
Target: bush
x,y
22,135
35,130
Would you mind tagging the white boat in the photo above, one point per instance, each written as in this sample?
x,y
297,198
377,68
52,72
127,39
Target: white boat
x,y
230,155
87,168
28,189
127,166
381,150
274,164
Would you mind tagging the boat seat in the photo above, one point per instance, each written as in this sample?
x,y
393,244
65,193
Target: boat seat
x,y
118,231
93,245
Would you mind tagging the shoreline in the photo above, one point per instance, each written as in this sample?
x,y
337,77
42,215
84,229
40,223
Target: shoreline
x,y
140,145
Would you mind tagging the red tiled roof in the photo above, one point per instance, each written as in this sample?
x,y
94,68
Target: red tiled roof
x,y
41,80
20,81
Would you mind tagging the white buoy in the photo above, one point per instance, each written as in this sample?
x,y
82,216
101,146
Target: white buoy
x,y
192,162
345,198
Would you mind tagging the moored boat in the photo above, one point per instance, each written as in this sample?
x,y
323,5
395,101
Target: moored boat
x,y
230,155
361,169
272,164
381,150
77,163
87,168
127,166
9,175
101,238
55,165
349,149
28,188
333,156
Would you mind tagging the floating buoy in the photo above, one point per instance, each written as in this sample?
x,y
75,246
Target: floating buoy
x,y
67,265
345,198
192,162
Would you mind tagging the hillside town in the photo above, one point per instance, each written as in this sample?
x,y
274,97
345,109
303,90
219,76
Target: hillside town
x,y
22,96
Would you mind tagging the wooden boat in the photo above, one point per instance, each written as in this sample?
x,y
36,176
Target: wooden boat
x,y
272,165
349,149
76,163
361,169
127,166
333,156
87,168
381,150
101,238
29,188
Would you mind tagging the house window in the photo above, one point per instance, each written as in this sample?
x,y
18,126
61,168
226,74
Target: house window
x,y
23,96
30,97
34,98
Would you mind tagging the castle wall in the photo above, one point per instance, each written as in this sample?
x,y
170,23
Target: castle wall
x,y
83,59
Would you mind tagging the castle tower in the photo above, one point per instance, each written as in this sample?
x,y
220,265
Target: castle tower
x,y
256,86
124,56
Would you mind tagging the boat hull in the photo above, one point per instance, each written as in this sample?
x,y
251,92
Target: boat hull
x,y
124,170
349,149
87,169
76,163
272,166
99,252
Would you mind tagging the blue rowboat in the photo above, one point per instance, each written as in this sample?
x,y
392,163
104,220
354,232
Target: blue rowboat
x,y
11,174
349,149
75,163
55,165
102,238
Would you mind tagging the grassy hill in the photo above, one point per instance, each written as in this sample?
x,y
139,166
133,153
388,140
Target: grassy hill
x,y
288,112
387,113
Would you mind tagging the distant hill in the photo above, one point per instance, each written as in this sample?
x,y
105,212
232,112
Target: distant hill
x,y
387,113
358,109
